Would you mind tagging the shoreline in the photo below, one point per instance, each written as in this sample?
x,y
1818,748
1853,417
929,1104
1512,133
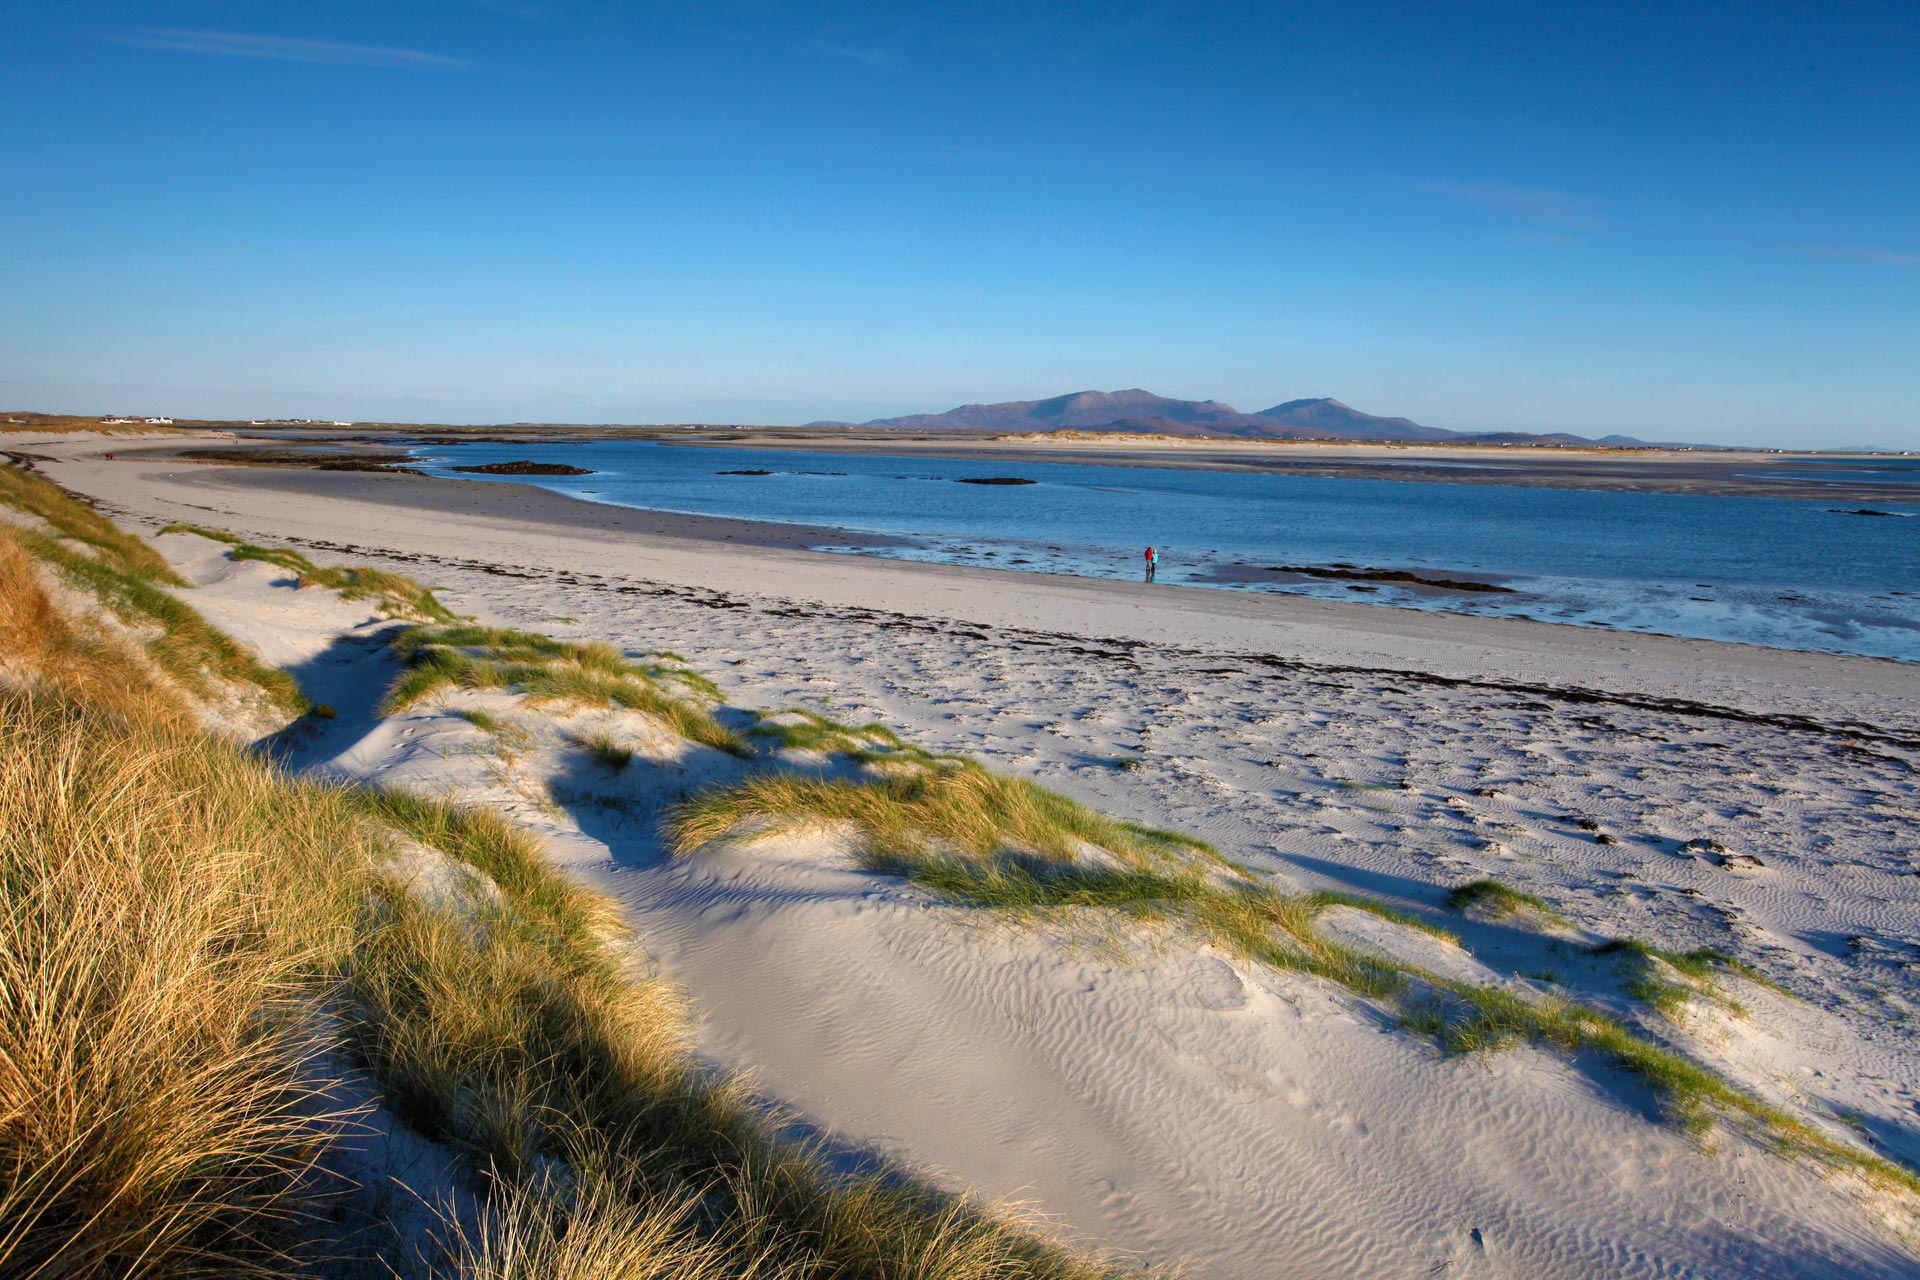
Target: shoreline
x,y
1169,1104
481,499
707,553
1716,474
478,499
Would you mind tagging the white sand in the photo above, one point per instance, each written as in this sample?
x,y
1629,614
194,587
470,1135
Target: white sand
x,y
1180,1105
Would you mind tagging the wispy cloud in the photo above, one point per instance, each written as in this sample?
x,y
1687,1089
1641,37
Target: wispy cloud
x,y
235,44
1530,205
870,44
513,8
1539,235
1863,253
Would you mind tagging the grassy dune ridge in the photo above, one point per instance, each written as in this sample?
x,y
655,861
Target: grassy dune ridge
x,y
548,670
394,594
51,542
194,944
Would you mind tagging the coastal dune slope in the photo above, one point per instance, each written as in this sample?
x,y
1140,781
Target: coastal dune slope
x,y
1156,1092
1148,1092
259,1026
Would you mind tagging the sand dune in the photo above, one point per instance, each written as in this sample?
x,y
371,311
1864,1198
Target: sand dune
x,y
1148,1092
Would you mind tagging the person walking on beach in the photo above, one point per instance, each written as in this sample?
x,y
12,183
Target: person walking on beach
x,y
1153,562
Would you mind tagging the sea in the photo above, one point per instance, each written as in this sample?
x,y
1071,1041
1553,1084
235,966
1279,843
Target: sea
x,y
1789,573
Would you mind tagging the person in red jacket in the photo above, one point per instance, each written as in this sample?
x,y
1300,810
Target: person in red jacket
x,y
1153,562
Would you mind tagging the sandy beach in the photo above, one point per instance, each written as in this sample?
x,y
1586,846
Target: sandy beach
x,y
1151,1095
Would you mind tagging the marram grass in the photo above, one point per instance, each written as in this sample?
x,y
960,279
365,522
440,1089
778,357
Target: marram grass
x,y
394,594
549,670
173,916
65,541
1496,901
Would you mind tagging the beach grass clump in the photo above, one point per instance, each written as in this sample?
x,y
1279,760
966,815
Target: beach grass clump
x,y
1497,901
483,721
43,648
1702,963
955,804
548,670
175,911
607,749
797,729
394,594
1653,974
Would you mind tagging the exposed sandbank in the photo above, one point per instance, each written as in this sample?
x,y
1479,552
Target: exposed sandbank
x,y
1740,474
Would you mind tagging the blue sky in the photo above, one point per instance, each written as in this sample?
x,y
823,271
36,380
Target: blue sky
x,y
1676,220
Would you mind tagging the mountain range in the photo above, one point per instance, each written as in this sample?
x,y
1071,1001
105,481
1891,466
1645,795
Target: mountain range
x,y
1142,411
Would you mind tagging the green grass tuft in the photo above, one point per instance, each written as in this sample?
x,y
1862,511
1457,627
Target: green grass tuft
x,y
1649,981
544,669
1497,901
395,594
607,750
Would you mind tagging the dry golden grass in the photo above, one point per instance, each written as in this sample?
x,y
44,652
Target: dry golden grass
x,y
41,648
156,655
172,911
551,1233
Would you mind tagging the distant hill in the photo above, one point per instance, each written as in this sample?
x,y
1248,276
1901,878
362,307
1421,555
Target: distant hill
x,y
1327,418
1083,409
1135,410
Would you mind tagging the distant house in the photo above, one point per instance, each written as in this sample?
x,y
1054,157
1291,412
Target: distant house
x,y
159,422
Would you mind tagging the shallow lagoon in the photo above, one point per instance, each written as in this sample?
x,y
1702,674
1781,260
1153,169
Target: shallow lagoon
x,y
1774,571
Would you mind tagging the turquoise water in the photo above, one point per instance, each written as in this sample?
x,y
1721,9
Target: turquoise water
x,y
1782,572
